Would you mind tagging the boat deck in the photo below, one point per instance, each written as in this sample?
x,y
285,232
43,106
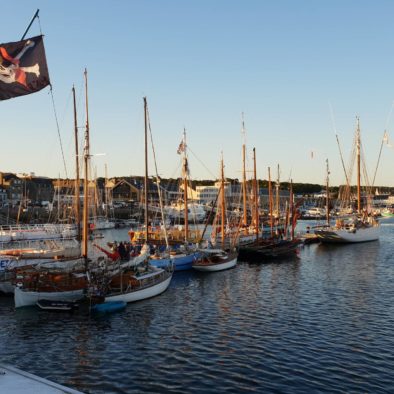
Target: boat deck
x,y
16,381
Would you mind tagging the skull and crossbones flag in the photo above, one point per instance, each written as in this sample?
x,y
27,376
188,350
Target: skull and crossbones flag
x,y
23,68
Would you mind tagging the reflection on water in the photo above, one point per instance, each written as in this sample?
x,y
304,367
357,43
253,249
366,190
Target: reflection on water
x,y
321,322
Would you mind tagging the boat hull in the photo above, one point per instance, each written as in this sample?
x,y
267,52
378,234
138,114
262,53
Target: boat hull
x,y
6,287
348,236
181,262
141,294
26,298
273,250
216,267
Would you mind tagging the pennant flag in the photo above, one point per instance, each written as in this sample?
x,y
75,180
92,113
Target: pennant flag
x,y
181,148
386,137
23,68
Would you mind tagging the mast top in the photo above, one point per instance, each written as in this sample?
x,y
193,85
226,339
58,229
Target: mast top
x,y
243,130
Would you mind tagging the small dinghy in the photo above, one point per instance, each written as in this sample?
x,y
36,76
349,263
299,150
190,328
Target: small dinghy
x,y
109,307
49,305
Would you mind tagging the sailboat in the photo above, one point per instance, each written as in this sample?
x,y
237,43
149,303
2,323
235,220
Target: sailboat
x,y
146,280
242,232
275,246
69,280
217,259
183,239
358,228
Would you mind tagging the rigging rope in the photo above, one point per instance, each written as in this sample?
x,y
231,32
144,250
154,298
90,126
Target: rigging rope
x,y
346,189
53,104
39,24
214,176
58,130
380,154
158,180
384,139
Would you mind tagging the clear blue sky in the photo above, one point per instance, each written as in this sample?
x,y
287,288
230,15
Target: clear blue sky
x,y
201,63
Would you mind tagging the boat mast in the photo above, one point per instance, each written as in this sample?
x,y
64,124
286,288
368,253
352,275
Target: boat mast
x,y
185,171
277,194
256,196
222,202
106,191
77,180
291,209
58,199
85,181
245,216
270,202
146,169
327,194
358,167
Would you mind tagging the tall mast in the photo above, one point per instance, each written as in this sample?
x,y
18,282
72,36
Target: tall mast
x,y
270,202
256,196
245,216
327,194
358,167
58,198
291,209
77,180
85,181
185,171
277,194
146,168
222,202
95,195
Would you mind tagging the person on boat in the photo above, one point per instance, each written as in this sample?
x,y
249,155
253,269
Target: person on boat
x,y
128,250
122,251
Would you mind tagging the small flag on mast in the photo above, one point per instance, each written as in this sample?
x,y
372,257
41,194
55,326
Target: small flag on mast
x,y
385,137
23,68
181,148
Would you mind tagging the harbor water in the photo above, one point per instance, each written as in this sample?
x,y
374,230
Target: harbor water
x,y
319,322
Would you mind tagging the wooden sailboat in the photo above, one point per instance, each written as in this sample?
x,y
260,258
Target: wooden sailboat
x,y
183,239
185,254
248,232
174,235
144,281
66,283
241,232
359,228
276,246
217,259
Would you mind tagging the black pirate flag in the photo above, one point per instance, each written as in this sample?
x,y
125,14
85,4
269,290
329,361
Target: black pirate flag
x,y
23,68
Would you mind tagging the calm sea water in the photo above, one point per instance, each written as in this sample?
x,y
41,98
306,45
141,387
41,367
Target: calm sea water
x,y
320,322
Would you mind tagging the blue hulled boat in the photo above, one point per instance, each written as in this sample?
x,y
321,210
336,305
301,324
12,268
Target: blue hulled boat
x,y
109,307
181,261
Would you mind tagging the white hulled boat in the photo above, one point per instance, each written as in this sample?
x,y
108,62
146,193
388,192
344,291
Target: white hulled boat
x,y
144,281
28,298
353,230
361,228
136,285
213,260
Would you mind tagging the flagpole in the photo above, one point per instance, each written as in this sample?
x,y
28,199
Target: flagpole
x,y
31,22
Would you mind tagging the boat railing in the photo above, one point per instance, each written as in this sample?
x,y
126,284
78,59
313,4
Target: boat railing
x,y
135,284
10,233
40,245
